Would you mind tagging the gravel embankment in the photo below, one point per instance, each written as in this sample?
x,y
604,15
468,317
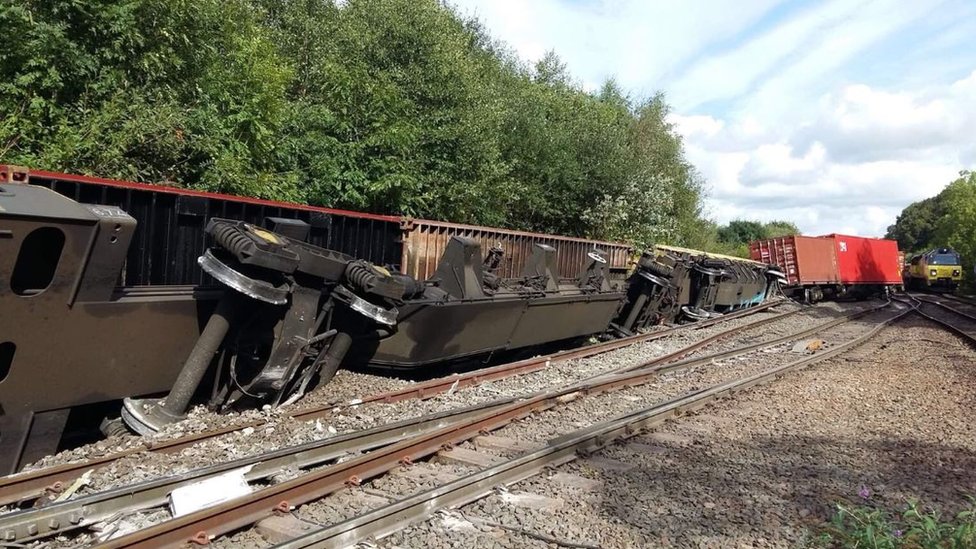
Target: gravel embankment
x,y
763,469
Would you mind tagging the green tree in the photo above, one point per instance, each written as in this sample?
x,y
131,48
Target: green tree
x,y
740,231
956,227
775,229
913,228
150,89
394,106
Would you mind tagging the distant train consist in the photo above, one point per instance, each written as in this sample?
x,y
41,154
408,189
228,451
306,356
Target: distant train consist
x,y
143,300
832,266
938,270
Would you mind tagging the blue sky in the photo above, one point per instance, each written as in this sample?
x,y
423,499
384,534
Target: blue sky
x,y
834,115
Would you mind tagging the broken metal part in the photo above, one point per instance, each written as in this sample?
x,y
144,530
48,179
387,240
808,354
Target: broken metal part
x,y
146,416
289,350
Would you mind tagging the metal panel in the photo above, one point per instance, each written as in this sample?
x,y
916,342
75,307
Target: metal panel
x,y
806,260
169,236
424,241
863,260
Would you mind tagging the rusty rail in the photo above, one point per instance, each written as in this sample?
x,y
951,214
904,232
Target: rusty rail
x,y
413,509
203,525
83,512
33,484
968,336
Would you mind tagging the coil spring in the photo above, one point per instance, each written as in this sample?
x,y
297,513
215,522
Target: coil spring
x,y
360,275
231,238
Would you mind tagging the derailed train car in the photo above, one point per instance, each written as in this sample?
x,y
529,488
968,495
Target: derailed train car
x,y
285,315
833,266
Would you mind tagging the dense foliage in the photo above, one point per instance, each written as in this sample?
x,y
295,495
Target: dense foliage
x,y
734,238
947,219
398,106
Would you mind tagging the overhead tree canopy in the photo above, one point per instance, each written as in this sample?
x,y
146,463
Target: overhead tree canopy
x,y
394,106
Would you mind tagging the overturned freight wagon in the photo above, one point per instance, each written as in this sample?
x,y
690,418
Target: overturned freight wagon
x,y
672,283
172,223
269,314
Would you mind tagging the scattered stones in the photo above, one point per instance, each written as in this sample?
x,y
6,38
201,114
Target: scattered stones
x,y
776,461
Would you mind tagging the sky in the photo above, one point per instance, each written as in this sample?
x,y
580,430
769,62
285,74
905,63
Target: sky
x,y
834,115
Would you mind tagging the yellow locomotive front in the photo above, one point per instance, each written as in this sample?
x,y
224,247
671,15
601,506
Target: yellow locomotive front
x,y
938,269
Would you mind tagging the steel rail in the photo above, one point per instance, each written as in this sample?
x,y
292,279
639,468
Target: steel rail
x,y
386,520
440,385
21,487
961,299
933,301
205,524
83,512
968,336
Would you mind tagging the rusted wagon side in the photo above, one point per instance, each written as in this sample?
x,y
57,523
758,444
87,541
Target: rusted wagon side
x,y
805,260
424,242
170,234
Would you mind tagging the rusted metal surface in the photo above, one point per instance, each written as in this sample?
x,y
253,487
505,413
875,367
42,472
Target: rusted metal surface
x,y
424,242
805,260
173,221
30,485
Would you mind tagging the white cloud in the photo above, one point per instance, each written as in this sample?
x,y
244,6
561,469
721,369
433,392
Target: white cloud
x,y
833,114
866,155
638,42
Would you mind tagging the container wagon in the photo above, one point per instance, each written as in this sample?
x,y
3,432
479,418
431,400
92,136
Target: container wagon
x,y
87,332
170,231
832,266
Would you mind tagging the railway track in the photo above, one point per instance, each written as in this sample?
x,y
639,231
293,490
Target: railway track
x,y
25,488
390,447
417,508
961,318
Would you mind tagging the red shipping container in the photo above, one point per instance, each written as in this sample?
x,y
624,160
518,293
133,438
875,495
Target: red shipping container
x,y
806,260
863,260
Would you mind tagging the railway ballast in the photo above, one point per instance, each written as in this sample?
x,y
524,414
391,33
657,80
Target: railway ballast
x,y
276,315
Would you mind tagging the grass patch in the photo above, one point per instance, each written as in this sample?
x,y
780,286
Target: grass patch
x,y
869,526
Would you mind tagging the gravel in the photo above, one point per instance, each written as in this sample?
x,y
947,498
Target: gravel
x,y
544,426
765,468
281,431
